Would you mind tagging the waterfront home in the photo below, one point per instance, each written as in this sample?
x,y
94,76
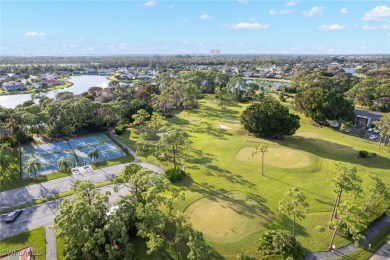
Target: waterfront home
x,y
13,86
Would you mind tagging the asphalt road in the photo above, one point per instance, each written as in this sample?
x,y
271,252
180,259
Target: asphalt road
x,y
44,214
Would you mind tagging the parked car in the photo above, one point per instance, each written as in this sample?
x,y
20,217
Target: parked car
x,y
12,216
376,131
373,137
369,129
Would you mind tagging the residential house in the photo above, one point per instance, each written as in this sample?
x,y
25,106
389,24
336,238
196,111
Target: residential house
x,y
144,78
36,85
50,82
13,86
383,102
92,71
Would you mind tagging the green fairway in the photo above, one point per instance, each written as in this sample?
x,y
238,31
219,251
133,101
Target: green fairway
x,y
220,165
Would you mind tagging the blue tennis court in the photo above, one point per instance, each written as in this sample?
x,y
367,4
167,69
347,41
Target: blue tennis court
x,y
75,150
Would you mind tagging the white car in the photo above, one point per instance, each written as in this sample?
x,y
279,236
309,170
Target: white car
x,y
373,137
370,130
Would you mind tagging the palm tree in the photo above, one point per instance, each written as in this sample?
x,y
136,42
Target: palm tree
x,y
32,166
93,154
5,158
64,165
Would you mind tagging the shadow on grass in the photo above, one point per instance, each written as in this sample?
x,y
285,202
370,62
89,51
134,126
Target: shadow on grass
x,y
214,131
283,222
210,112
337,152
252,206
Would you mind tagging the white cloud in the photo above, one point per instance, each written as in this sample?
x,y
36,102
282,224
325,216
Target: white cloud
x,y
363,47
379,13
205,17
253,26
40,35
370,27
313,11
171,6
283,11
330,50
292,3
242,1
332,27
184,20
150,3
73,46
123,45
344,10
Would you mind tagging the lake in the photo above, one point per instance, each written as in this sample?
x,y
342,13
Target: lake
x,y
80,85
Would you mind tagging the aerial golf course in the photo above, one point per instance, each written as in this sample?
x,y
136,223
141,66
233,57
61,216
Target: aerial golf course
x,y
229,200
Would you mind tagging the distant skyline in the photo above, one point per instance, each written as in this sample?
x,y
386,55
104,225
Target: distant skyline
x,y
194,27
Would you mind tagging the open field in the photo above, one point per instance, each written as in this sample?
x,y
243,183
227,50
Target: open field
x,y
213,170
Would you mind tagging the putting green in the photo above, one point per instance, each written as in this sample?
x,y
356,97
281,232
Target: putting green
x,y
276,157
228,218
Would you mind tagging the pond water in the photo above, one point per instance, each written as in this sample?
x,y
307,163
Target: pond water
x,y
350,70
80,85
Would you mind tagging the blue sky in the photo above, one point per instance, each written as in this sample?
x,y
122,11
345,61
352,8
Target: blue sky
x,y
194,27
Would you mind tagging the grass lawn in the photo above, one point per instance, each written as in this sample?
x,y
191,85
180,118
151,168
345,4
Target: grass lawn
x,y
114,161
34,238
220,163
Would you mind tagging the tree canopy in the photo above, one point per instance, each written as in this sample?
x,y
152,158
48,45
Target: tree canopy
x,y
269,119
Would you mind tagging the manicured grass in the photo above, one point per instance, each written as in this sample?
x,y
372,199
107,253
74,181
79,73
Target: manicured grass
x,y
227,217
277,157
60,245
115,161
213,170
34,238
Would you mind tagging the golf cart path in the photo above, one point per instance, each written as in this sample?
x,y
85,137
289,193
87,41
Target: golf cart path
x,y
369,234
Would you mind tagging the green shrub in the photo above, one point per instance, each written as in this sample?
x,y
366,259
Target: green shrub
x,y
280,242
319,228
175,175
120,129
363,154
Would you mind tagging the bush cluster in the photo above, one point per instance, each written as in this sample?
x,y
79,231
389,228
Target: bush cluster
x,y
175,175
120,129
365,154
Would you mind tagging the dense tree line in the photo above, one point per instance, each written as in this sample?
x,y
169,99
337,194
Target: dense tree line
x,y
91,231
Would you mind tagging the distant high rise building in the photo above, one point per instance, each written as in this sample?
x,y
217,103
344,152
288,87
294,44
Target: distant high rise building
x,y
215,52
